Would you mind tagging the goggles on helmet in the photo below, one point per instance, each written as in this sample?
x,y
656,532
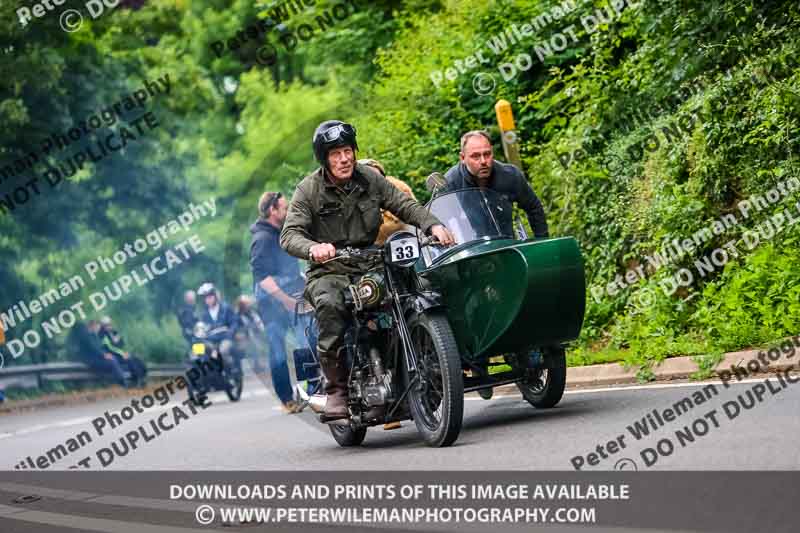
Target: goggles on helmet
x,y
337,132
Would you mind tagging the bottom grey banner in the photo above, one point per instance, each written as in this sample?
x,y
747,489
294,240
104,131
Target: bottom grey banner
x,y
144,502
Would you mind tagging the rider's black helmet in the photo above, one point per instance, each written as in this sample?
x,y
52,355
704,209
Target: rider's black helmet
x,y
332,134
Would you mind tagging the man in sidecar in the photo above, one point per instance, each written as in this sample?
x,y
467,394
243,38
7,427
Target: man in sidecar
x,y
479,169
339,205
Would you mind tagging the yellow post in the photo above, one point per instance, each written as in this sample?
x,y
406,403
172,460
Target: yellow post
x,y
508,134
505,120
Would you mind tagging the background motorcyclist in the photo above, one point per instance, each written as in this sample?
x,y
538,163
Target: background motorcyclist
x,y
339,205
219,317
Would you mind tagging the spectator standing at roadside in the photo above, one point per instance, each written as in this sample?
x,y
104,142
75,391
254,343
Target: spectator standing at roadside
x,y
276,279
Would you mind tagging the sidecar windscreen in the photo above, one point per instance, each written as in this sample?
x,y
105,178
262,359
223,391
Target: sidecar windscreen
x,y
472,215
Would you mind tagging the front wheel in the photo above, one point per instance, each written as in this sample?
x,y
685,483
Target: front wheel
x,y
234,382
438,406
346,436
544,386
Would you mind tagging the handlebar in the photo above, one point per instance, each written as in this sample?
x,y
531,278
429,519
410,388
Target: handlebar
x,y
373,251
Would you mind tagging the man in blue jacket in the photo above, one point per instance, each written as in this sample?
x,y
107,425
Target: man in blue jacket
x,y
479,169
276,280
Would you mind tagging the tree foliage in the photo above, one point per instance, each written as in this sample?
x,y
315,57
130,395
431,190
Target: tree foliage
x,y
646,127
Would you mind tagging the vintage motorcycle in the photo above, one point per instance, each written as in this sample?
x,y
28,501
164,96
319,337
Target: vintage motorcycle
x,y
212,370
431,323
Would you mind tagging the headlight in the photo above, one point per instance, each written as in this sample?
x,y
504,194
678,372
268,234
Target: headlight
x,y
370,290
200,330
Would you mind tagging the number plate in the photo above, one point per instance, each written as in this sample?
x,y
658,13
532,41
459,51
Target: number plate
x,y
198,348
404,250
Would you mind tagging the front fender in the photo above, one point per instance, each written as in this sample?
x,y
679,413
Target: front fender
x,y
423,302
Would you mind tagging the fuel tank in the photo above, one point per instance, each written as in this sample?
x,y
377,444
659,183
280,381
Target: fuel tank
x,y
505,295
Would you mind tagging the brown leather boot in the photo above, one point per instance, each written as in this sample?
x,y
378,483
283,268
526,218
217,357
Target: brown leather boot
x,y
335,388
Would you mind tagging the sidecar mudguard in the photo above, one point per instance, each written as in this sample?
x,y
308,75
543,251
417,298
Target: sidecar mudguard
x,y
505,296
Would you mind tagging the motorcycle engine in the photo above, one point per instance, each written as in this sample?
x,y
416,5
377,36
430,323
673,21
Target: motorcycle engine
x,y
370,291
376,388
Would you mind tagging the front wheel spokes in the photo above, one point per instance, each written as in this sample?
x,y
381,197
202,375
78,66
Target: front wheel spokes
x,y
430,372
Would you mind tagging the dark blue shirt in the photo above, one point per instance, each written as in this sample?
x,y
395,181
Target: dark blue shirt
x,y
267,258
510,182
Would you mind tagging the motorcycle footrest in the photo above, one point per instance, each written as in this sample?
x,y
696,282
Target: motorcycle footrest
x,y
342,420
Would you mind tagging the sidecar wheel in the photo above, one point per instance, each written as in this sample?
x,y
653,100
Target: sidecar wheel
x,y
545,387
347,436
437,409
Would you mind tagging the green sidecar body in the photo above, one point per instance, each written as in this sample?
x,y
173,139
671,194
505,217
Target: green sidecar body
x,y
502,293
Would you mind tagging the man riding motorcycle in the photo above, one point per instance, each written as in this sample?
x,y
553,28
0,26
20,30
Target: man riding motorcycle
x,y
339,205
220,318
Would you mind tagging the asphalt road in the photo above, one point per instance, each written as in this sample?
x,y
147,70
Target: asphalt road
x,y
502,433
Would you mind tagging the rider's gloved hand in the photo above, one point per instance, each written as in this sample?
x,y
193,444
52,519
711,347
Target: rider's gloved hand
x,y
443,235
322,252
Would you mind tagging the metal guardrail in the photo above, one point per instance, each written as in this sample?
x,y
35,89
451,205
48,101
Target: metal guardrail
x,y
35,376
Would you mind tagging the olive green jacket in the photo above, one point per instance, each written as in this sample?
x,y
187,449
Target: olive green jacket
x,y
321,212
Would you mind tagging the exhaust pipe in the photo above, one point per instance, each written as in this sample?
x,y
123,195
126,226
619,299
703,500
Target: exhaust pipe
x,y
316,401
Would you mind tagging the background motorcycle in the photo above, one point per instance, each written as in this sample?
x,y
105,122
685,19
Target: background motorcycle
x,y
215,372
